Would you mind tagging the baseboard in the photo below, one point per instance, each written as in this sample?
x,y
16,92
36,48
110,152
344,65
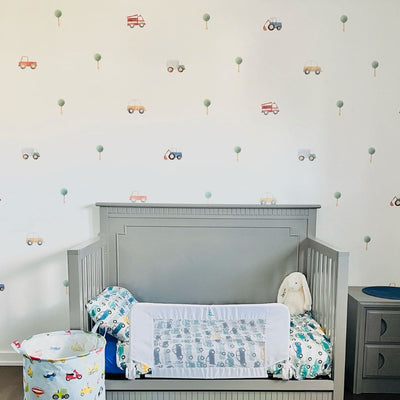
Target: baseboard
x,y
10,358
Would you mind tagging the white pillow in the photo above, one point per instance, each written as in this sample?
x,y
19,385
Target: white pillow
x,y
111,307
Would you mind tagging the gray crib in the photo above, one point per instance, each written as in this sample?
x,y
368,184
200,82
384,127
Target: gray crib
x,y
234,254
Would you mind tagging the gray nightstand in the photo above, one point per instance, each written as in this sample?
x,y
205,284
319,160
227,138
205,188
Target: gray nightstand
x,y
373,344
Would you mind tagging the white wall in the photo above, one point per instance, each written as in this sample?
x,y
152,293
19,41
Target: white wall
x,y
133,65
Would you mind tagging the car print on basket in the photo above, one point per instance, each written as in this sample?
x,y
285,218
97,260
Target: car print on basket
x,y
61,394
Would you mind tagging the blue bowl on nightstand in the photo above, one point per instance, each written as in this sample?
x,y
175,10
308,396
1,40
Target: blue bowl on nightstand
x,y
385,292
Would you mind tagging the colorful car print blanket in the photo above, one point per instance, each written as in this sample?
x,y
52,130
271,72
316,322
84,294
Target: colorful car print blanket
x,y
208,342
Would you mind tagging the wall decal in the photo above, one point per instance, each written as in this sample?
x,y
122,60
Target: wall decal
x,y
312,66
371,152
207,104
395,201
238,61
367,239
306,153
97,58
343,20
269,107
61,103
375,65
340,104
268,198
25,62
34,238
208,196
172,154
174,64
135,20
272,24
237,150
66,285
206,18
58,14
64,192
99,149
135,105
135,196
337,196
30,152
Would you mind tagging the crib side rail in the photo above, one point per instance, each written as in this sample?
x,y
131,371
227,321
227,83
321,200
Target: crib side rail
x,y
327,274
86,275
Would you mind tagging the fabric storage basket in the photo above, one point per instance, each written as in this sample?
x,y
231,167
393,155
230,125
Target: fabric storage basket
x,y
63,365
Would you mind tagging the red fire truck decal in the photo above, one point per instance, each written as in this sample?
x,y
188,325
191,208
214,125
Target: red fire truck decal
x,y
269,107
136,19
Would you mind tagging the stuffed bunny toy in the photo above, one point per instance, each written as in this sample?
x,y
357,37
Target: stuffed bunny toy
x,y
295,293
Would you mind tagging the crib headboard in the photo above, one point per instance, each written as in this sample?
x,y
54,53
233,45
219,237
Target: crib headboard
x,y
210,254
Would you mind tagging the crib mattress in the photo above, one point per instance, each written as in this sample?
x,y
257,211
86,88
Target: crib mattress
x,y
208,342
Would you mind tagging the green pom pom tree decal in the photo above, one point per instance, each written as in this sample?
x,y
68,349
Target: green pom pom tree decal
x,y
367,239
371,152
237,150
238,61
337,196
343,20
66,285
339,105
375,65
99,149
64,192
97,58
207,104
61,103
206,18
58,14
208,196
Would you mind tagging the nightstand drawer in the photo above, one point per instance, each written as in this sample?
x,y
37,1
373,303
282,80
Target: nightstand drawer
x,y
381,361
382,326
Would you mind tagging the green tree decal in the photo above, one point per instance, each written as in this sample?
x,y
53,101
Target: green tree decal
x,y
66,285
367,239
207,104
375,65
237,150
97,58
206,18
337,196
343,20
64,192
61,103
238,61
58,14
208,196
100,149
340,104
371,152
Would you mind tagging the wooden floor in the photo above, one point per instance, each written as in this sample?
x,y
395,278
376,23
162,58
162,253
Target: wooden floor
x,y
11,387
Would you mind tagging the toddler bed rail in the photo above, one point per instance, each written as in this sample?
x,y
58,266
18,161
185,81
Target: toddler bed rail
x,y
284,233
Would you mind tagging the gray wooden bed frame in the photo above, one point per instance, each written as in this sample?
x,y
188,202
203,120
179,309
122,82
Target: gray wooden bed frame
x,y
234,254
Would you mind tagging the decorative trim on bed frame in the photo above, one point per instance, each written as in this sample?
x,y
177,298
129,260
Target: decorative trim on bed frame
x,y
92,267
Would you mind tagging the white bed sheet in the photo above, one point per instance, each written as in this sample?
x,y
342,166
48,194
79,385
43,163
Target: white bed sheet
x,y
263,327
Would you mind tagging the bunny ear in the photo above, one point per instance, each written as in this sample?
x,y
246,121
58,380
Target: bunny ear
x,y
307,294
282,291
